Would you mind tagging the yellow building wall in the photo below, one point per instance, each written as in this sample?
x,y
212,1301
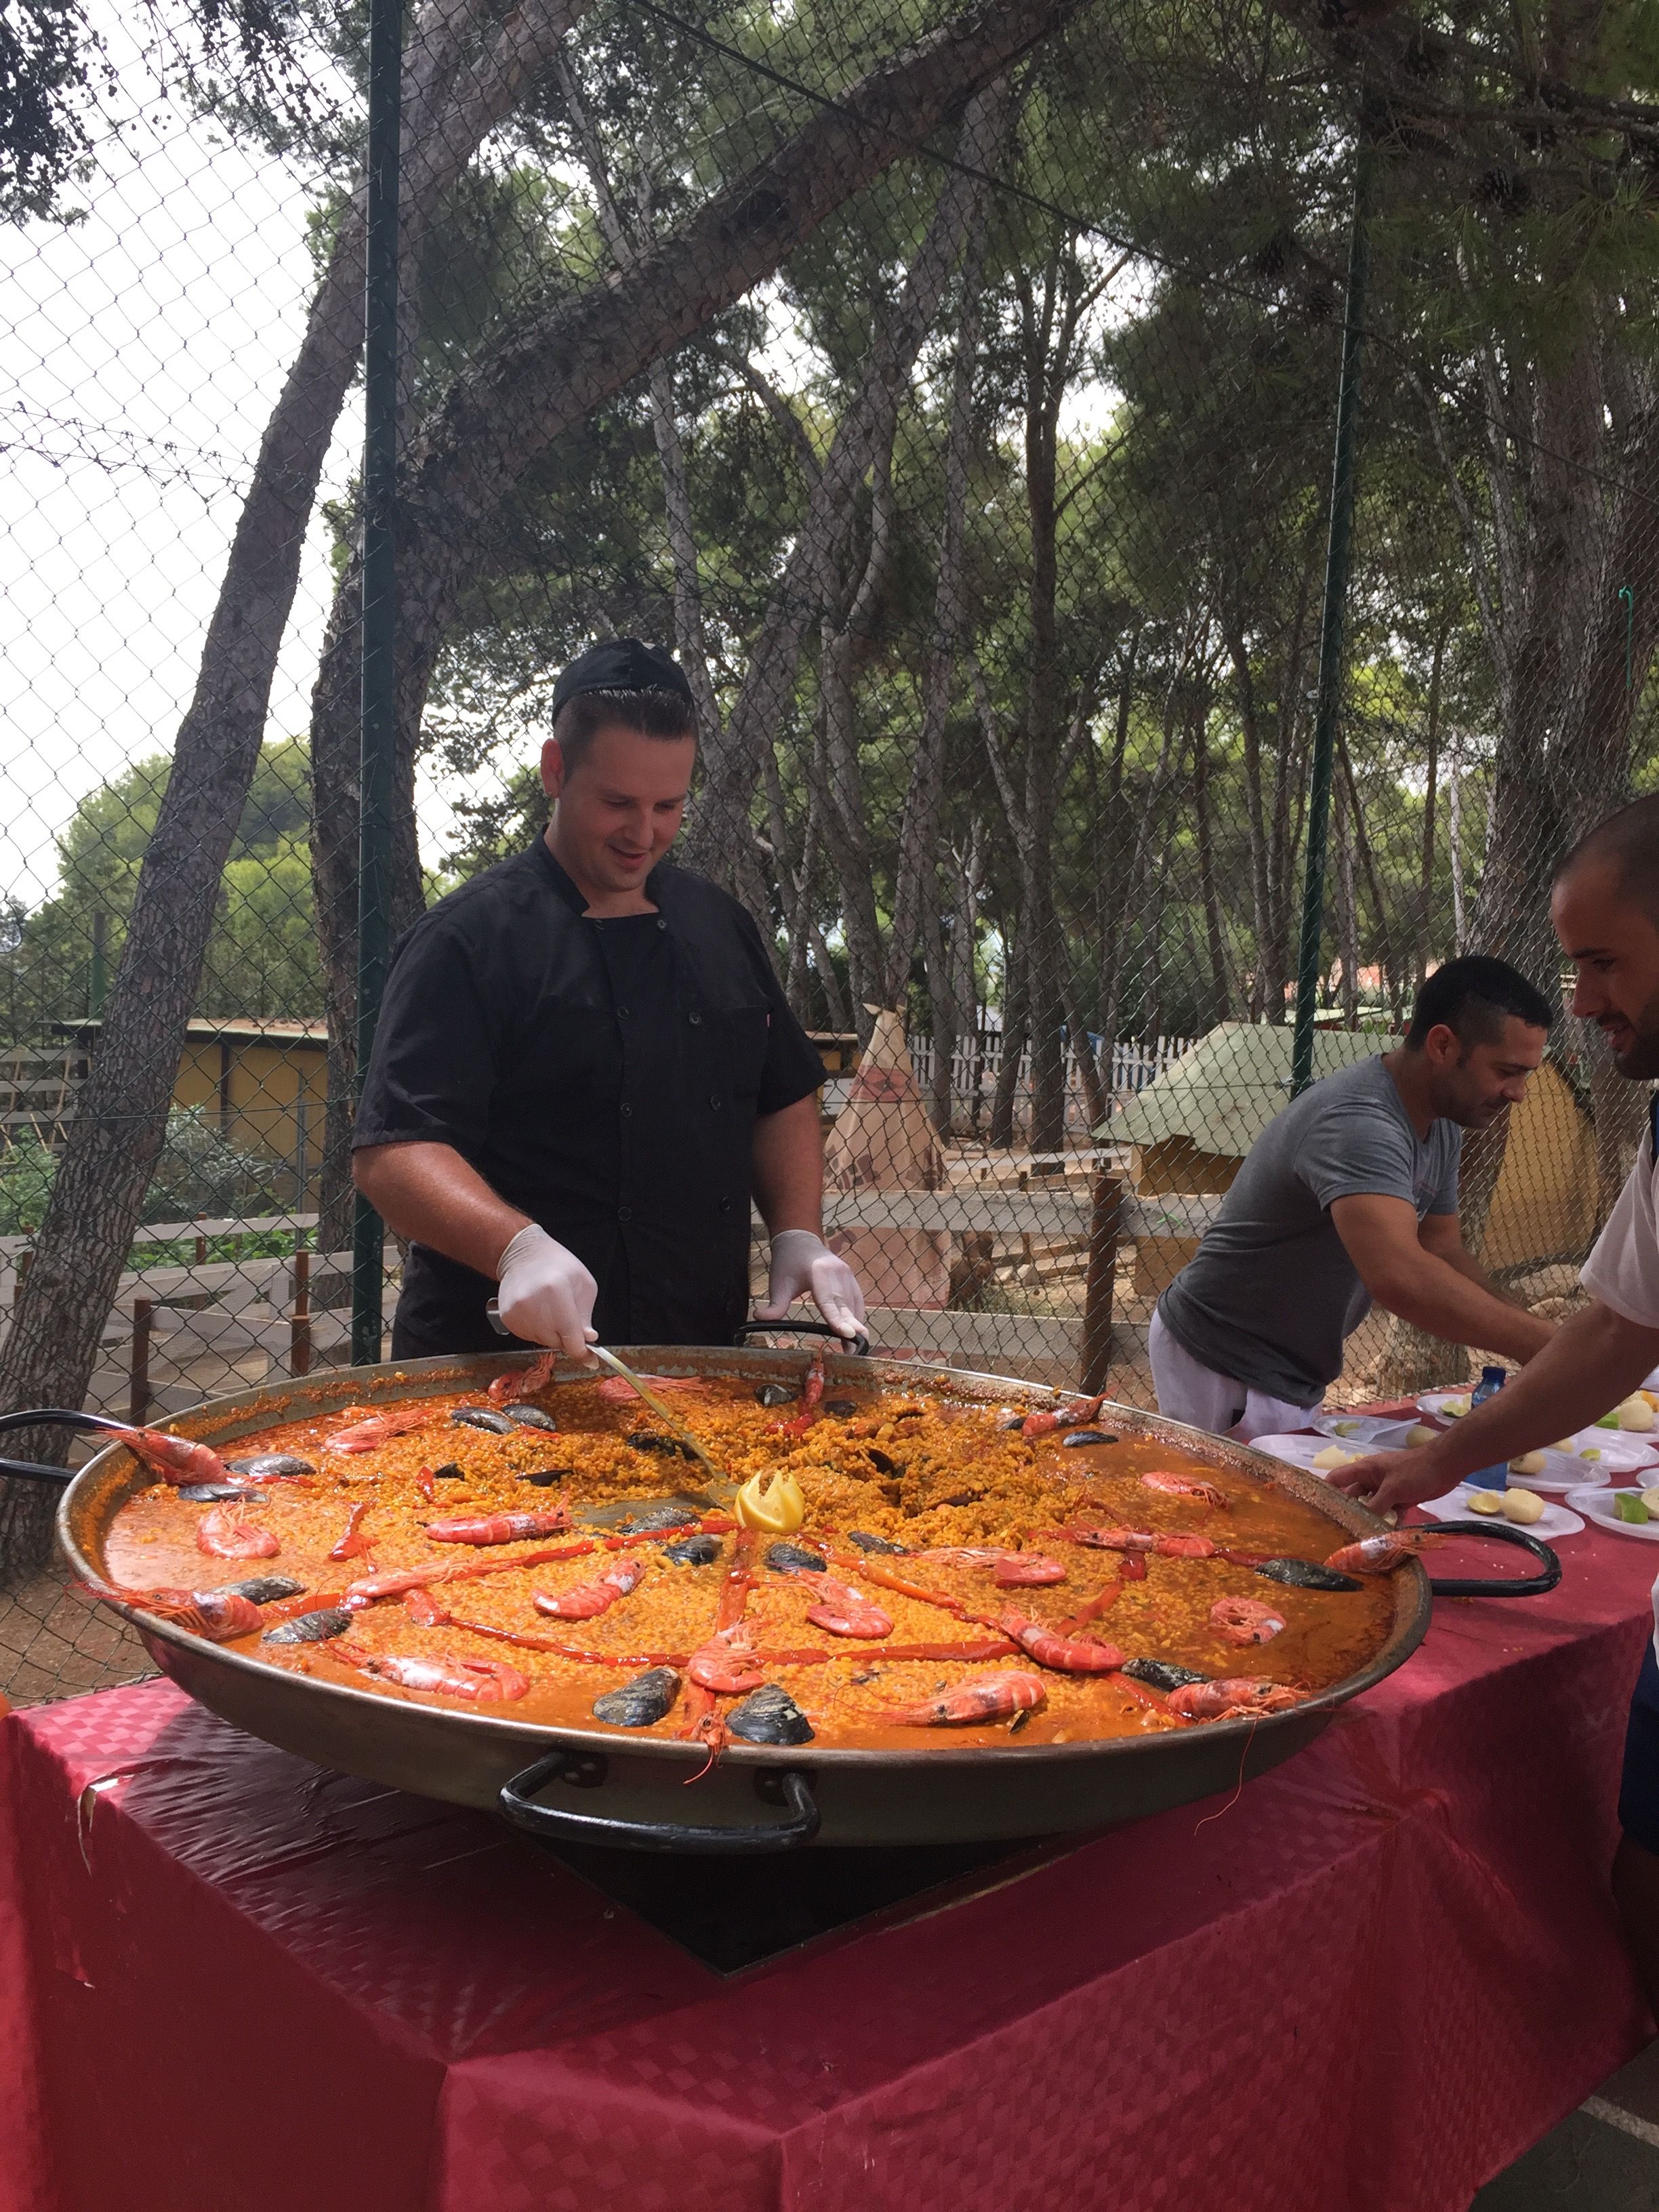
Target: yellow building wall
x,y
262,1085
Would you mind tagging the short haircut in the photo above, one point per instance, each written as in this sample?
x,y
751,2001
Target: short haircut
x,y
654,714
1473,996
1628,843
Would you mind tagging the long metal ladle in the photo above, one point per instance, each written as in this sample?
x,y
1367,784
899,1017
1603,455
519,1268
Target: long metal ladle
x,y
676,1428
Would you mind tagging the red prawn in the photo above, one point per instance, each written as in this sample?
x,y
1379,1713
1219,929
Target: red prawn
x,y
845,1612
175,1459
486,1681
1074,1416
1011,1570
522,1382
217,1615
499,1527
728,1663
1067,1654
1187,1486
393,1582
1164,1544
812,1397
352,1543
616,1392
1238,1698
1380,1555
378,1429
1246,1619
225,1532
583,1601
989,1698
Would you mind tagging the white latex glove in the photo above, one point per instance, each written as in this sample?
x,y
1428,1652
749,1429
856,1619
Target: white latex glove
x,y
546,1295
803,1265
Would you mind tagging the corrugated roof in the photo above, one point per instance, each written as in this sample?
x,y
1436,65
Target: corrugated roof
x,y
1222,1092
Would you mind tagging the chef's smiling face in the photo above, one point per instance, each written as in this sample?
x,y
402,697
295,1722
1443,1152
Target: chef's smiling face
x,y
1613,942
617,811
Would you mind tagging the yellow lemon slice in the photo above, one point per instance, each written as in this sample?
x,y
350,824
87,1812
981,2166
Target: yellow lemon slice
x,y
773,1503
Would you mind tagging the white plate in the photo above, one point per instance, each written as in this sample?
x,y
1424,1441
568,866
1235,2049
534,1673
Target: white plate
x,y
1596,1505
1364,1431
1622,1451
1301,1451
1556,1520
1434,1402
1562,1473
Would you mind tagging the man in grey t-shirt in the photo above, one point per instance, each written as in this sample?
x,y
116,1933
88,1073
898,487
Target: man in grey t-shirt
x,y
1351,1195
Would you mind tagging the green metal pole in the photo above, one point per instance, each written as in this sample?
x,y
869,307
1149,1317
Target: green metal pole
x,y
1327,706
380,712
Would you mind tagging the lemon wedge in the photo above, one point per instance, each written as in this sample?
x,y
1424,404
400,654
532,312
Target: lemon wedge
x,y
772,1504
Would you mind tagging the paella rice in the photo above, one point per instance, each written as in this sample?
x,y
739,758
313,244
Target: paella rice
x,y
962,1573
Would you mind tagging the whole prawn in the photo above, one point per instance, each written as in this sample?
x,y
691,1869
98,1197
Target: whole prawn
x,y
1067,1654
226,1532
845,1612
1246,1619
378,1429
583,1601
989,1698
175,1459
217,1615
1238,1698
1187,1486
523,1382
486,1681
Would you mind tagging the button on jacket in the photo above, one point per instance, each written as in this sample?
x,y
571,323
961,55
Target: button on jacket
x,y
604,1076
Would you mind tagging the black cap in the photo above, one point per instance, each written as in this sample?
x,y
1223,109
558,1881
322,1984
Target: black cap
x,y
621,663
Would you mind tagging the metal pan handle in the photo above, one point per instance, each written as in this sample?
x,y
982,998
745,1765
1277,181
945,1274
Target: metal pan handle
x,y
53,1417
858,1346
1499,1585
558,1823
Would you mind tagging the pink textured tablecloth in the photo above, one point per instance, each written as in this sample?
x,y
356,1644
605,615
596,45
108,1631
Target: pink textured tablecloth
x,y
1368,1983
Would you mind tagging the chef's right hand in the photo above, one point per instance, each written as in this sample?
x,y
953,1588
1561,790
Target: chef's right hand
x,y
546,1295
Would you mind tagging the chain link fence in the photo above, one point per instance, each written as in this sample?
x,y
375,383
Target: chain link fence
x,y
954,393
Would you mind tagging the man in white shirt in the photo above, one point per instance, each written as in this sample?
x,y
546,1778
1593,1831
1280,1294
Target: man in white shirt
x,y
1606,911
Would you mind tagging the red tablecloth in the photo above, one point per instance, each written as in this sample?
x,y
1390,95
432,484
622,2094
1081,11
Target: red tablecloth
x,y
1368,1983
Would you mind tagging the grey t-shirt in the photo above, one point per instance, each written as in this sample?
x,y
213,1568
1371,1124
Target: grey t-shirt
x,y
1271,1293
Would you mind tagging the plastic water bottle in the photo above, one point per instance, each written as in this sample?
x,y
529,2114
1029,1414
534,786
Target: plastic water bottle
x,y
1488,1478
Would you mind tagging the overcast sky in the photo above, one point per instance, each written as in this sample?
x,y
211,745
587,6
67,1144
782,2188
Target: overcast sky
x,y
140,353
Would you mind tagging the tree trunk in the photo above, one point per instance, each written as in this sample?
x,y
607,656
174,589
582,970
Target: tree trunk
x,y
456,89
1221,1007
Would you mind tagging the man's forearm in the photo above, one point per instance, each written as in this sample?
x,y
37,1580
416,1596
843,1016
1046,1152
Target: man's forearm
x,y
1455,1303
429,1194
786,1165
1596,1358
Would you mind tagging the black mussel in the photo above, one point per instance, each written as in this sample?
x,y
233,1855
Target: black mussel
x,y
545,1477
647,1697
769,1715
262,1589
1087,1437
482,1416
881,1463
693,1551
310,1627
793,1559
1010,1419
272,1467
866,1542
1161,1674
648,1440
449,1473
775,1394
215,1493
842,1408
532,1417
1306,1574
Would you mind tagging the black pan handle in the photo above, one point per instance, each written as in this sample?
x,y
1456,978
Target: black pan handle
x,y
558,1823
1499,1585
53,1417
859,1345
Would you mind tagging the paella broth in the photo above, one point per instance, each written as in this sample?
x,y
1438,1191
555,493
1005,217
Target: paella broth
x,y
921,1471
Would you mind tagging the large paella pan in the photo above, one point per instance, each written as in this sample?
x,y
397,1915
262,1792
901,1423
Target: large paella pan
x,y
990,1612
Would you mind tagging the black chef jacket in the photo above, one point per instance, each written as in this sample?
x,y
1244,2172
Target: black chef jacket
x,y
601,1075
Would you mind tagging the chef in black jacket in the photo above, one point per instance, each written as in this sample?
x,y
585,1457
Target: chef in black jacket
x,y
584,1067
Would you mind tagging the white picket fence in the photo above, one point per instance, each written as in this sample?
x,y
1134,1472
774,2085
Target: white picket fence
x,y
976,1065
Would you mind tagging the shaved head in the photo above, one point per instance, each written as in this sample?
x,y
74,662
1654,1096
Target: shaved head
x,y
1626,846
